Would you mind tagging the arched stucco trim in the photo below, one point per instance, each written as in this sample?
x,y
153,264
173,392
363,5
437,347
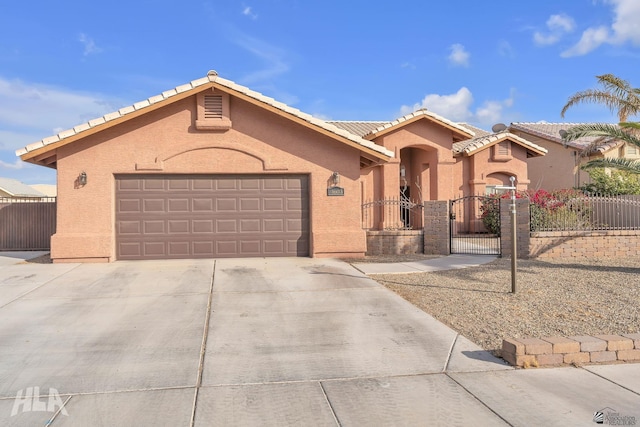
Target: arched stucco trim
x,y
267,165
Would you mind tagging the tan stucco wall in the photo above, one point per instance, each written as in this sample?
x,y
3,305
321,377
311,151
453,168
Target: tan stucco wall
x,y
485,169
424,148
166,141
557,169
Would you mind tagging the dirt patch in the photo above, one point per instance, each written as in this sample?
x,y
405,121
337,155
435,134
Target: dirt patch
x,y
563,297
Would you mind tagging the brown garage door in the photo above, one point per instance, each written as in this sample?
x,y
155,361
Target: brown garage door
x,y
204,216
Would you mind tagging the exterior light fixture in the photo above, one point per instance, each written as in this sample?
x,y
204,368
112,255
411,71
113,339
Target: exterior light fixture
x,y
82,178
403,171
333,185
335,179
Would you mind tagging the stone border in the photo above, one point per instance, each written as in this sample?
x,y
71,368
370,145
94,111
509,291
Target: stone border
x,y
575,350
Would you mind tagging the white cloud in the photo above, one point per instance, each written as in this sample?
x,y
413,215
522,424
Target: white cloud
x,y
458,107
590,40
90,46
459,56
623,29
30,111
557,26
18,164
625,25
248,11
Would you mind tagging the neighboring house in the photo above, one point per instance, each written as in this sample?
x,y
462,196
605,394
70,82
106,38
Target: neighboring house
x,y
48,190
561,167
213,169
11,188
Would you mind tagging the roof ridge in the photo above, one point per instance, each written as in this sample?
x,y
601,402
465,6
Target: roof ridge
x,y
214,78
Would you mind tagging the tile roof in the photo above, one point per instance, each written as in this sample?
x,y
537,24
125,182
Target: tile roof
x,y
423,112
472,145
212,79
17,189
551,132
476,130
358,128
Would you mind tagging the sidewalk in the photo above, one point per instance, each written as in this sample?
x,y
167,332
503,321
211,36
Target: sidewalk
x,y
451,262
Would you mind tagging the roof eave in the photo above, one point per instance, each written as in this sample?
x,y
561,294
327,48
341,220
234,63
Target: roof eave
x,y
390,128
39,155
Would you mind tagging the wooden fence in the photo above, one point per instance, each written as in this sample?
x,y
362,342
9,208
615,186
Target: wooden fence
x,y
27,224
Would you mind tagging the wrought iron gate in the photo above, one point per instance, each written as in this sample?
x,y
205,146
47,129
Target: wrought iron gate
x,y
475,225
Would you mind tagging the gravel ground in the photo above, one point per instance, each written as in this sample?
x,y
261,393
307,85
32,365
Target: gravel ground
x,y
560,297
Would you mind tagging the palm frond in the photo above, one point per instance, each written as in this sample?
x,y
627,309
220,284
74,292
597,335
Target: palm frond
x,y
616,94
632,166
604,132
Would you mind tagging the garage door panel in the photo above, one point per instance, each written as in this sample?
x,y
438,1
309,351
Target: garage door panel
x,y
129,205
178,226
155,185
154,249
179,248
211,216
202,205
273,246
226,247
202,226
249,247
249,204
154,227
226,184
273,225
273,204
226,204
203,249
178,205
250,225
203,185
153,205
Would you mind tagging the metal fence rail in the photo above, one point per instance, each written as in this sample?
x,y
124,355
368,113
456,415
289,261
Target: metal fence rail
x,y
475,225
27,224
392,214
588,213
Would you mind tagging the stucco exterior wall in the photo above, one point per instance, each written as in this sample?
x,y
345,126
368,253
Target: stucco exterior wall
x,y
166,141
488,169
558,169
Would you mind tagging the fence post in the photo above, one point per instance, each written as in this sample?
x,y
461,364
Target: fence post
x,y
523,223
436,227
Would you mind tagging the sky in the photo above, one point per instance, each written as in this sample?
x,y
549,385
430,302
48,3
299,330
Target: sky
x,y
63,63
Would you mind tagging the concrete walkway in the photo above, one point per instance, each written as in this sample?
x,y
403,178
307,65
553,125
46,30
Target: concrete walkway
x,y
244,342
450,262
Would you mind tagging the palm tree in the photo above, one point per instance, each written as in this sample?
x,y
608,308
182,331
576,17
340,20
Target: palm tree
x,y
622,99
606,133
617,95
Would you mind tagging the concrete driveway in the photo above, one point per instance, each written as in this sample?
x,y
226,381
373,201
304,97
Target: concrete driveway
x,y
260,342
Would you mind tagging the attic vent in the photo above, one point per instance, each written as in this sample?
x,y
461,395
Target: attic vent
x,y
213,107
213,111
503,148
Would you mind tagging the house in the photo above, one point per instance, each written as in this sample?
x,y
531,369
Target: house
x,y
437,159
14,189
560,169
214,169
48,190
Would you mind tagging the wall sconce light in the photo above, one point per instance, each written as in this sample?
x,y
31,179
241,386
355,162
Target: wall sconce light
x,y
335,179
82,178
403,171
